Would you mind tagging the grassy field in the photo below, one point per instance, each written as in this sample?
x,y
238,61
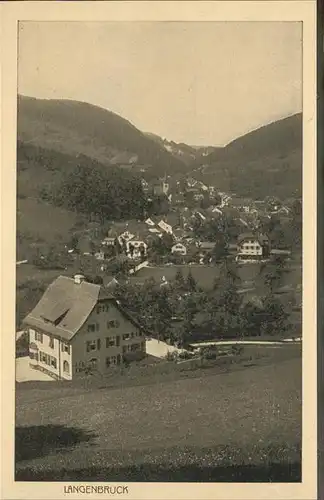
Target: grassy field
x,y
239,426
43,224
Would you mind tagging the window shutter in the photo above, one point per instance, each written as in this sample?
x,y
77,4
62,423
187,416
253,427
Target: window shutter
x,y
98,344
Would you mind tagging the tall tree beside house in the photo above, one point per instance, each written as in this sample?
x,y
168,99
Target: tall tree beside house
x,y
142,252
275,316
297,223
92,247
220,248
184,332
179,279
160,314
167,242
253,319
74,242
157,205
117,246
272,278
131,249
191,283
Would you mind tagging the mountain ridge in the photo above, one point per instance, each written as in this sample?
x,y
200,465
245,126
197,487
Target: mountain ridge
x,y
76,127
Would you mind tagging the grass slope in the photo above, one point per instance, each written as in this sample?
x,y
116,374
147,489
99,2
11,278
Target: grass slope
x,y
79,128
237,426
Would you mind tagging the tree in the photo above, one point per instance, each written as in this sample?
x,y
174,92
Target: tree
x,y
179,279
142,252
219,250
117,246
274,315
191,282
74,242
272,278
131,249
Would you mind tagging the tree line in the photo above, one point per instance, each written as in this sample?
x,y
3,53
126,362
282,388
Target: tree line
x,y
181,312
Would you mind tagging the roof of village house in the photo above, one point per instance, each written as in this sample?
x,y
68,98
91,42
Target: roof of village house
x,y
259,237
66,305
206,245
240,202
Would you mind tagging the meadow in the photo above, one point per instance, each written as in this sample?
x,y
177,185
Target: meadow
x,y
236,426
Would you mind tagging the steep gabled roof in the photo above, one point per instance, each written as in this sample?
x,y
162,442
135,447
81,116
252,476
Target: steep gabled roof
x,y
65,306
259,237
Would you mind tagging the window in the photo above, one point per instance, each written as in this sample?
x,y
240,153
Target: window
x,y
93,362
66,367
79,366
126,336
93,328
51,343
110,341
112,361
47,359
65,347
102,308
98,344
91,345
39,337
117,340
113,323
135,347
125,348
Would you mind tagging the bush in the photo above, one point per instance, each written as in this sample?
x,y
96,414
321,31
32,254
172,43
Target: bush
x,y
210,353
185,355
172,356
237,350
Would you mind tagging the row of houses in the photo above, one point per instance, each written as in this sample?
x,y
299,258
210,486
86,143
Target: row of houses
x,y
77,325
176,188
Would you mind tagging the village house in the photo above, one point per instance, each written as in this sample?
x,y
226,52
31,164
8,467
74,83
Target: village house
x,y
108,242
177,199
241,204
77,324
179,249
101,255
251,246
161,187
136,249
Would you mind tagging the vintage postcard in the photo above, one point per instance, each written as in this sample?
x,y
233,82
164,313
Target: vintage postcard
x,y
159,257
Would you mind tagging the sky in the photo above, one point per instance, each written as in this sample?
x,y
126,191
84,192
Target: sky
x,y
202,83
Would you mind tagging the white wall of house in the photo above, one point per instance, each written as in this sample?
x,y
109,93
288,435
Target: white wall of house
x,y
104,338
179,249
53,355
137,245
250,247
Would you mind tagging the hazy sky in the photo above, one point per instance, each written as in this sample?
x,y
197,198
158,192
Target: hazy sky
x,y
200,83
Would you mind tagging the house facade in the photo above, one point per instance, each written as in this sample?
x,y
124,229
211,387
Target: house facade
x,y
250,246
179,249
136,249
76,325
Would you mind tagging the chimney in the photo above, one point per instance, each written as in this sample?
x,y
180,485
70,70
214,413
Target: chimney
x,y
78,278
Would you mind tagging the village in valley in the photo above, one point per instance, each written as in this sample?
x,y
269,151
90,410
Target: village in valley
x,y
201,271
159,252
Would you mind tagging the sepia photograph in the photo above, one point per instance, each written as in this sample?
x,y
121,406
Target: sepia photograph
x,y
160,252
